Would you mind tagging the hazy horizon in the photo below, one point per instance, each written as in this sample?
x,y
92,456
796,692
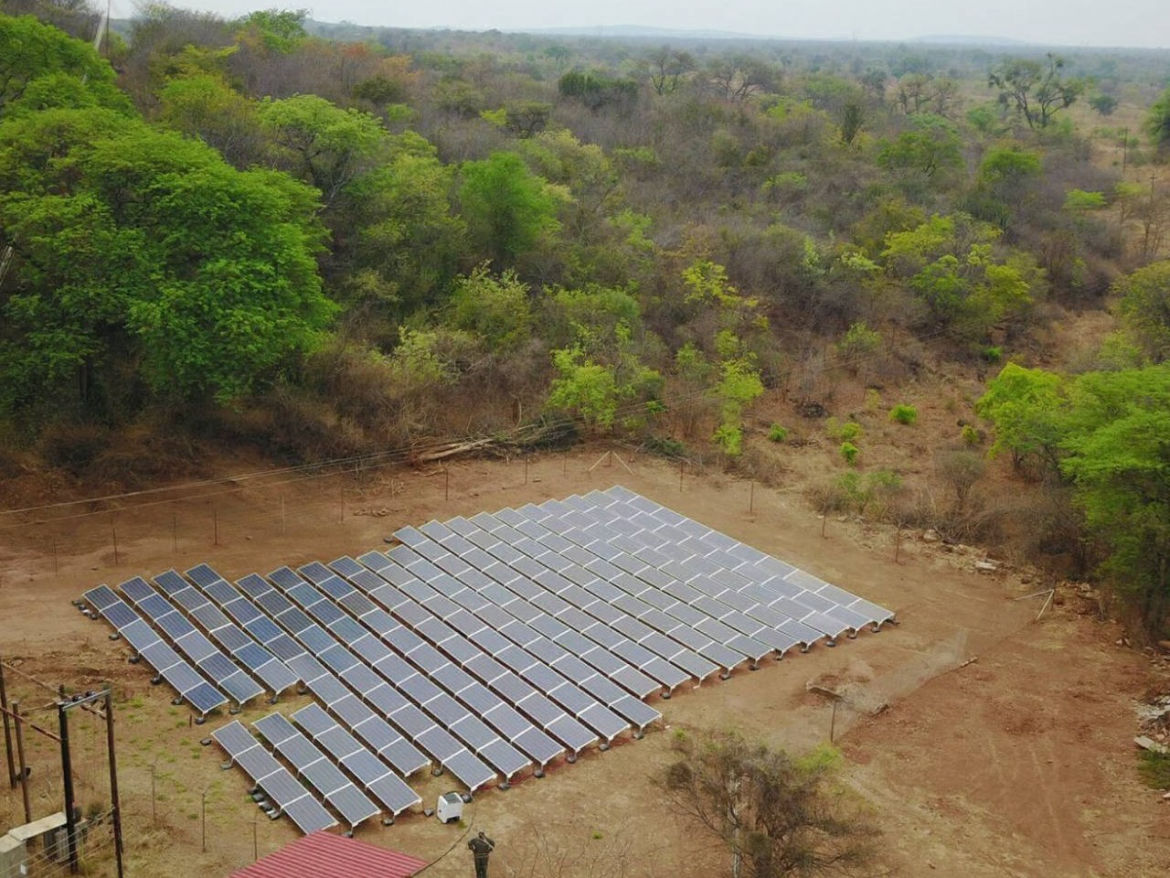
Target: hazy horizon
x,y
1125,24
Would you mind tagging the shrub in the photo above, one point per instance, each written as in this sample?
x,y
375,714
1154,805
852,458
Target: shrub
x,y
904,414
970,436
730,439
992,354
849,451
847,432
776,433
1154,769
858,343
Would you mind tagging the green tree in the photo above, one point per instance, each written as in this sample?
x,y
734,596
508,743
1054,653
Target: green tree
x,y
952,265
140,252
1158,121
1145,308
1103,103
402,242
526,118
321,143
931,151
1004,184
495,309
1035,90
278,30
509,210
1118,456
1026,407
205,106
601,393
31,51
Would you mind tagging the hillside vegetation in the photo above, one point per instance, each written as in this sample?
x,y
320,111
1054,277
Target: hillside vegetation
x,y
322,245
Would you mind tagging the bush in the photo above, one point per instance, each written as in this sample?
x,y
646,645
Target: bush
x,y
848,432
904,414
970,436
776,433
730,439
992,354
849,451
1154,769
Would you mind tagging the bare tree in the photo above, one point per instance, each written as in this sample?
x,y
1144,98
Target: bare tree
x,y
777,816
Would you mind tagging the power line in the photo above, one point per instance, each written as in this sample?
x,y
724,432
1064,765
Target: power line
x,y
377,459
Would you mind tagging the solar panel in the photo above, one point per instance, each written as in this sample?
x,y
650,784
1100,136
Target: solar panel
x,y
280,786
309,815
179,675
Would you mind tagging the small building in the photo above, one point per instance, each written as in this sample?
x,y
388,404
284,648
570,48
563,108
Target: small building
x,y
324,855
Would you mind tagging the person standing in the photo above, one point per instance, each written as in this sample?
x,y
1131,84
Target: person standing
x,y
481,847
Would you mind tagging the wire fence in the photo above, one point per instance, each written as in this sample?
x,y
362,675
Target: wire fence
x,y
194,523
174,798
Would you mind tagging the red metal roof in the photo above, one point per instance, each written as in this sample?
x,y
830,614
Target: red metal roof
x,y
324,855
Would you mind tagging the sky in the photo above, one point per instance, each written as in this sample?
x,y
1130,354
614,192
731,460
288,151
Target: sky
x,y
1137,23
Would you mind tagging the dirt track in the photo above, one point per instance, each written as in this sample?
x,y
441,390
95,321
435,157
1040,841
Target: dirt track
x,y
1020,763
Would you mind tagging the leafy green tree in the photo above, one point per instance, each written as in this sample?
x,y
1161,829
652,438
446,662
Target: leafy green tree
x,y
852,121
278,30
1145,308
595,90
951,265
1034,90
931,152
1103,103
1117,449
31,51
138,250
323,144
1005,182
495,309
1158,121
599,393
509,210
1026,407
205,106
526,118
402,241
858,343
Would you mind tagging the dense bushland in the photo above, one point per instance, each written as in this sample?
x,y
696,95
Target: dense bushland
x,y
369,239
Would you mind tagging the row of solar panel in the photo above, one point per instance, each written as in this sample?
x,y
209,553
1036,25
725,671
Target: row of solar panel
x,y
374,774
777,579
186,681
269,776
686,607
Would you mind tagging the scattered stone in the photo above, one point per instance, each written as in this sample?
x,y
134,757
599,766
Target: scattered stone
x,y
986,566
1164,645
930,536
1147,743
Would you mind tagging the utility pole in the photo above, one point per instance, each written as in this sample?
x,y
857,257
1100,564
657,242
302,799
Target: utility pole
x,y
7,729
64,705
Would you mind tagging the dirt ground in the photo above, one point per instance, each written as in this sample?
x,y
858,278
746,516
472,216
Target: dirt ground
x,y
986,743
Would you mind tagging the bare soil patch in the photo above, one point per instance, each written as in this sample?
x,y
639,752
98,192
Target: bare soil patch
x,y
1020,763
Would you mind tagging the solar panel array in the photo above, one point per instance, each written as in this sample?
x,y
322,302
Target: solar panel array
x,y
487,646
